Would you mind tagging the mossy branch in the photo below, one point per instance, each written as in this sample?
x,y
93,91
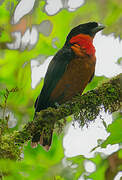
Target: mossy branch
x,y
85,108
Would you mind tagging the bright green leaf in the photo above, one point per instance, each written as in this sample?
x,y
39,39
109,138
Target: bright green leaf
x,y
115,130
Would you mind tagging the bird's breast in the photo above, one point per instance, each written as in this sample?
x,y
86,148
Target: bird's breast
x,y
85,43
74,79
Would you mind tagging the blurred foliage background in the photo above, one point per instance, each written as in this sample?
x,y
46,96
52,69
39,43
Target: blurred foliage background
x,y
17,95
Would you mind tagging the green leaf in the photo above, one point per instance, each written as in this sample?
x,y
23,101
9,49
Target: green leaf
x,y
119,61
78,162
115,130
101,166
96,81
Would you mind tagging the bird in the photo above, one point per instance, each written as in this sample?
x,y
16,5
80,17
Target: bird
x,y
68,73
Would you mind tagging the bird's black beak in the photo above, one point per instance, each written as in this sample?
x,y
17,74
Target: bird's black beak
x,y
98,28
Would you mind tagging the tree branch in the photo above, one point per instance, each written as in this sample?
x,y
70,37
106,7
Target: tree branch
x,y
85,108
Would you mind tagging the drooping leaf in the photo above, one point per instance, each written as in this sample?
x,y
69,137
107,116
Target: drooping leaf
x,y
115,130
101,166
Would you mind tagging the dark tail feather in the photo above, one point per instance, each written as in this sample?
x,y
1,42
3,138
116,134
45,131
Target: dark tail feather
x,y
44,140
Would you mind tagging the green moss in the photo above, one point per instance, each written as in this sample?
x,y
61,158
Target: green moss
x,y
8,148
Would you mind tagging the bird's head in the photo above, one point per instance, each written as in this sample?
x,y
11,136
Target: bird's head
x,y
90,29
83,35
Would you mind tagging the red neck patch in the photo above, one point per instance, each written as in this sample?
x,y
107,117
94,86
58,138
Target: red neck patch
x,y
85,42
